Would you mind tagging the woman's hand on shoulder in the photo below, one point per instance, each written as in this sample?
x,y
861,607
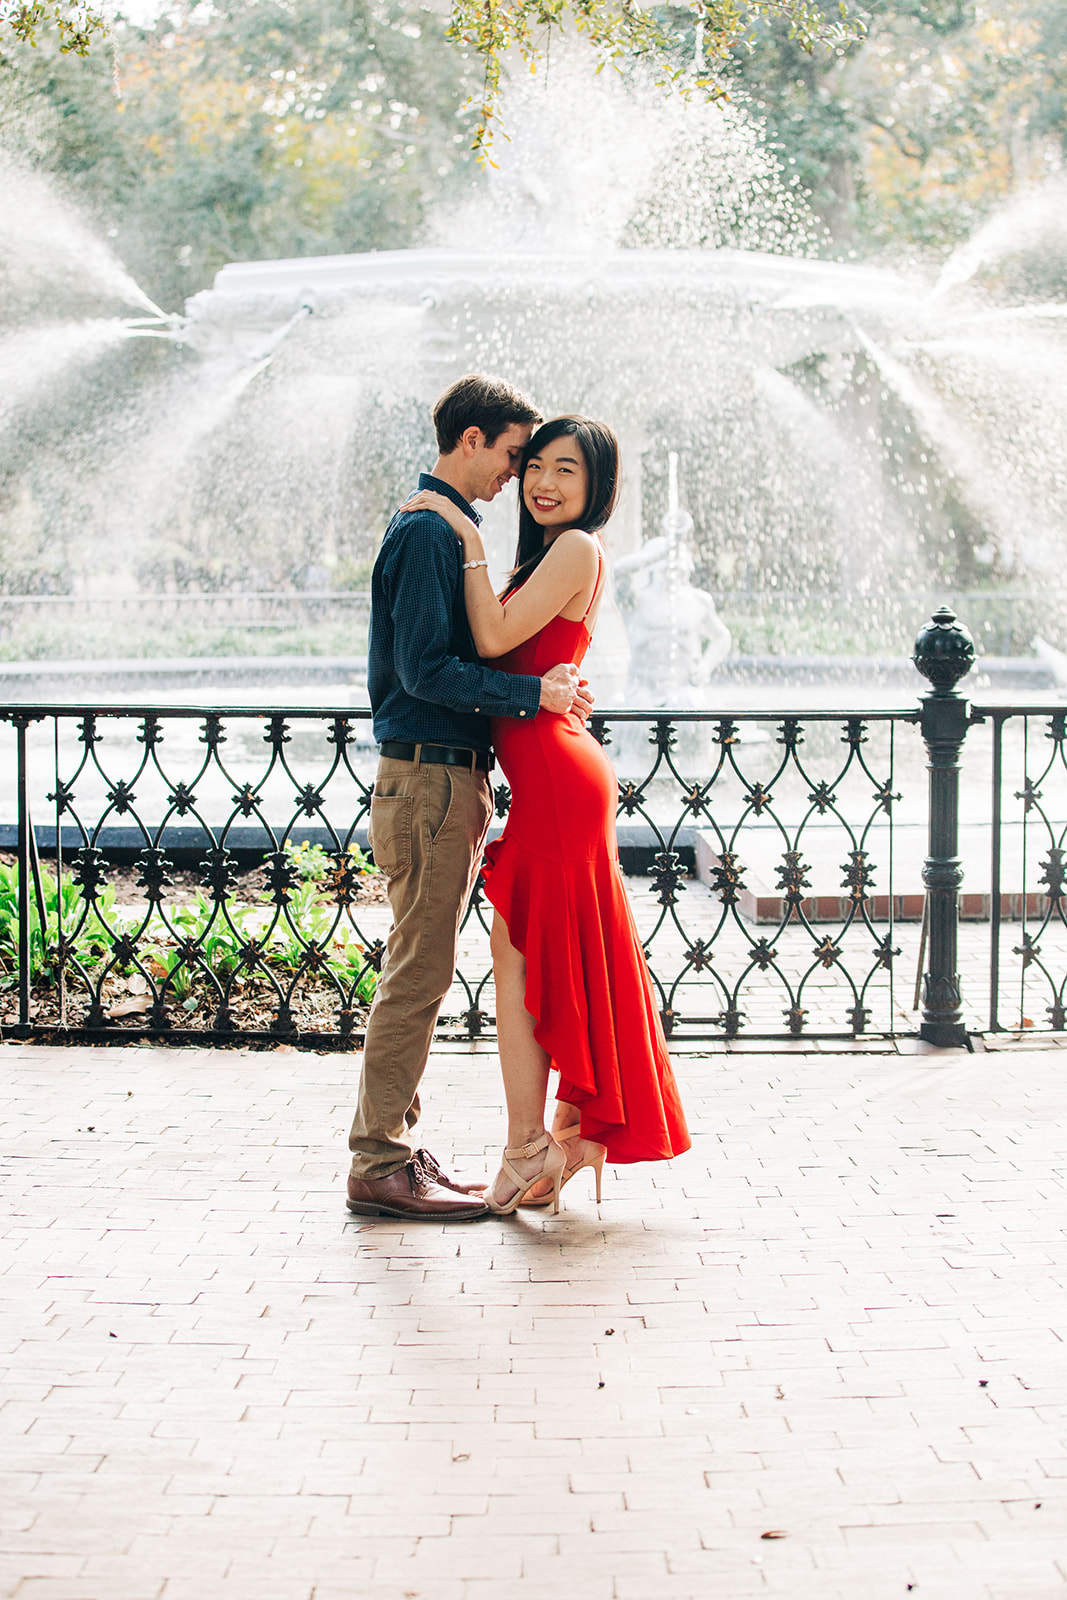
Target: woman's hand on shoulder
x,y
430,500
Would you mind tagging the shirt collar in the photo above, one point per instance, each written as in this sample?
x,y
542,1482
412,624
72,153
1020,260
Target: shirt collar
x,y
428,481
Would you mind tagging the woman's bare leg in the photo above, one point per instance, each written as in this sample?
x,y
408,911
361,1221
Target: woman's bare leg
x,y
523,1063
565,1116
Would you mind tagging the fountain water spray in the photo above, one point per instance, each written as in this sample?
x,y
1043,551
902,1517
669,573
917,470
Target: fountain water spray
x,y
1033,219
52,252
676,525
634,258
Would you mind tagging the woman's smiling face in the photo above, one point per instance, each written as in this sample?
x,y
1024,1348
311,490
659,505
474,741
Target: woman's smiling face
x,y
555,485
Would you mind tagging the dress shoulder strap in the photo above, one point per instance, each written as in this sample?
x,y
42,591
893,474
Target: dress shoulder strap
x,y
596,586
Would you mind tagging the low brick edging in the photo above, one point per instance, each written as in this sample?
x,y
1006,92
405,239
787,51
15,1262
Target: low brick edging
x,y
759,904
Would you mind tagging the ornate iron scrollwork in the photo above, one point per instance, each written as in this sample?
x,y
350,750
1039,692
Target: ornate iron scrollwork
x,y
729,955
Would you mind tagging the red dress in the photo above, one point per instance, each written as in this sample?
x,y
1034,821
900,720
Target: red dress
x,y
554,877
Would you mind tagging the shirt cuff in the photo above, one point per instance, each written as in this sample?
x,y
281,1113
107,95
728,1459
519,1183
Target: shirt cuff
x,y
527,697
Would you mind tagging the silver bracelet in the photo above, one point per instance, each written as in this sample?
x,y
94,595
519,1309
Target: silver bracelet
x,y
467,565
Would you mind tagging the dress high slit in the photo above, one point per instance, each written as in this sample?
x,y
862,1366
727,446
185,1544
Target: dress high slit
x,y
555,879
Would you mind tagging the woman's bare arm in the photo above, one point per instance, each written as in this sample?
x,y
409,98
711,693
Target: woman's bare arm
x,y
568,570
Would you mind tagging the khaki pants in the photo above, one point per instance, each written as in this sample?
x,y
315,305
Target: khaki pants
x,y
427,827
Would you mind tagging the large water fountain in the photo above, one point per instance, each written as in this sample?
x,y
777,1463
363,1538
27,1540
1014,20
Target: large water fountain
x,y
850,443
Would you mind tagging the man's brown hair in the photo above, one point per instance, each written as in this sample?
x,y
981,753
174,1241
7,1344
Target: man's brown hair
x,y
480,402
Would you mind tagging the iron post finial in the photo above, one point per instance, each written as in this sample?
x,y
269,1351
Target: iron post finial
x,y
944,651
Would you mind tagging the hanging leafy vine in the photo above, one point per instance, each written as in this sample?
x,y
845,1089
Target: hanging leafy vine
x,y
618,29
76,22
493,29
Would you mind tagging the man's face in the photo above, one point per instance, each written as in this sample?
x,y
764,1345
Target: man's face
x,y
494,465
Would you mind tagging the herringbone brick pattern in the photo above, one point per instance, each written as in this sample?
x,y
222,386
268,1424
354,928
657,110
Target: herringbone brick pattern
x,y
841,1318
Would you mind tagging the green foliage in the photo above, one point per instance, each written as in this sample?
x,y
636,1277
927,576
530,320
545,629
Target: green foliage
x,y
75,23
309,861
622,31
905,140
90,943
307,931
272,128
310,914
216,941
202,937
247,131
313,863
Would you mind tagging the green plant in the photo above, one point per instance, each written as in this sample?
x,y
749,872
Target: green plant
x,y
309,926
619,31
309,861
178,952
209,939
348,963
76,24
91,941
312,863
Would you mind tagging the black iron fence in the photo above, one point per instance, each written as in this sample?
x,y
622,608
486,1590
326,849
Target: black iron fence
x,y
794,874
1028,866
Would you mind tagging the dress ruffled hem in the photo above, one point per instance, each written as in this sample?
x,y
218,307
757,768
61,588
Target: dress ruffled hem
x,y
590,994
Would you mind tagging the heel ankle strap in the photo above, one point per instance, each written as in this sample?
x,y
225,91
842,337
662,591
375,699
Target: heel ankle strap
x,y
531,1148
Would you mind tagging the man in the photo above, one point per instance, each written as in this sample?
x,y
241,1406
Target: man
x,y
432,700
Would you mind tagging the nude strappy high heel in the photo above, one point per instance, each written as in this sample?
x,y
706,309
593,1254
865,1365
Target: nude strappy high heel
x,y
595,1159
552,1170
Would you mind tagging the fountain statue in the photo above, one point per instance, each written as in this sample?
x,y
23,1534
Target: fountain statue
x,y
676,636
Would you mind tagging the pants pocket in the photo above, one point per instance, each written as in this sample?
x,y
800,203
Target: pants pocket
x,y
390,833
440,792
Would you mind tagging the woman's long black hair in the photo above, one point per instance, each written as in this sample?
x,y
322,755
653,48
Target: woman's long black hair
x,y
600,452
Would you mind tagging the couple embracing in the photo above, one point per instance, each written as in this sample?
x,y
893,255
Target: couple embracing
x,y
453,671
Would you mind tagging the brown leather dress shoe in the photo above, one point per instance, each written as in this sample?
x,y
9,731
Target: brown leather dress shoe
x,y
411,1192
437,1174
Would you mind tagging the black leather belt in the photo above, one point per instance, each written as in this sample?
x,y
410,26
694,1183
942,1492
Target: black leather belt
x,y
438,755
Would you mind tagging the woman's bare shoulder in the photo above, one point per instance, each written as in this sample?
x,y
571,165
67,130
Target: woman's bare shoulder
x,y
574,544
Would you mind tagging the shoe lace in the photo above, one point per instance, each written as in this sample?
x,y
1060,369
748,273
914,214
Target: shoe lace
x,y
428,1165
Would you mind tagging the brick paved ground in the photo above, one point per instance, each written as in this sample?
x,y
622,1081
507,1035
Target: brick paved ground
x,y
841,1317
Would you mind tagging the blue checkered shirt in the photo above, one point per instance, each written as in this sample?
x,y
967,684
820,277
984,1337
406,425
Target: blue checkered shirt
x,y
427,685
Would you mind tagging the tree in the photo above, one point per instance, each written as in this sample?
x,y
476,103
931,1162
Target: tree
x,y
292,127
285,127
489,29
907,138
75,21
689,44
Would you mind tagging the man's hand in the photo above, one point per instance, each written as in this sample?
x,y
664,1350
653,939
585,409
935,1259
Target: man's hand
x,y
559,688
562,690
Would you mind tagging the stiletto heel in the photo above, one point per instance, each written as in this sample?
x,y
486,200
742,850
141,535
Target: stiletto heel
x,y
594,1157
552,1170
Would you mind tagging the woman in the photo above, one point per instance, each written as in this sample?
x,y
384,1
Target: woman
x,y
572,989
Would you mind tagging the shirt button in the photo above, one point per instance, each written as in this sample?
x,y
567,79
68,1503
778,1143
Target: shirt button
x,y
477,708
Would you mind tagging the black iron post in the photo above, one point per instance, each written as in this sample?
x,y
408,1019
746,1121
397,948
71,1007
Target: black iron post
x,y
944,653
23,847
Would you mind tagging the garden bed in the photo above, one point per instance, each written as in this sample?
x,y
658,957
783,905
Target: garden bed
x,y
279,952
